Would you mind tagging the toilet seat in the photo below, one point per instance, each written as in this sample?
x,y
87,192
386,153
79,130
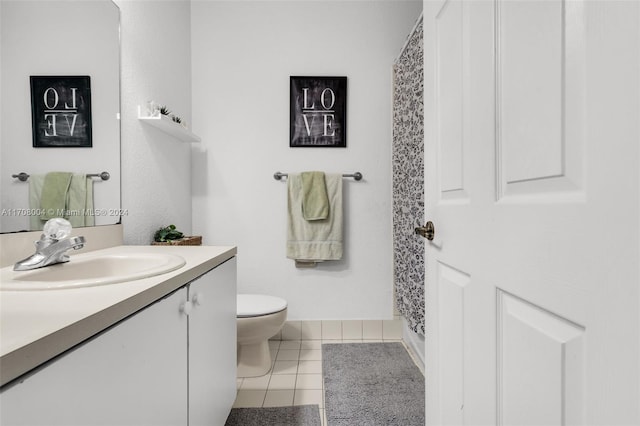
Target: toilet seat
x,y
253,305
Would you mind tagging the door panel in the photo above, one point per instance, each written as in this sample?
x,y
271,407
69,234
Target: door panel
x,y
530,52
540,67
452,283
547,353
449,98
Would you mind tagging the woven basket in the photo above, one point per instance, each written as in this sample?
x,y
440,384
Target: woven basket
x,y
195,240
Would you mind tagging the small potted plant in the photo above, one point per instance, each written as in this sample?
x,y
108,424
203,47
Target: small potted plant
x,y
170,236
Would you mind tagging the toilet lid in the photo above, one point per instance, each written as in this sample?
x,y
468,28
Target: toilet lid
x,y
252,305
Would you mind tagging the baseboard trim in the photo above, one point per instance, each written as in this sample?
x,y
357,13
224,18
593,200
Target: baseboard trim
x,y
414,343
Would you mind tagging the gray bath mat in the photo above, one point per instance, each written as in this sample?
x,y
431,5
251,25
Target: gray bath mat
x,y
298,415
371,384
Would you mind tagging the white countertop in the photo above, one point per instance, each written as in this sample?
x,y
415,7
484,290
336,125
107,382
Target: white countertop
x,y
36,326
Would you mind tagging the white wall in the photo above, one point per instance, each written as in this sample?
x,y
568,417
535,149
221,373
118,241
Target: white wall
x,y
242,56
156,65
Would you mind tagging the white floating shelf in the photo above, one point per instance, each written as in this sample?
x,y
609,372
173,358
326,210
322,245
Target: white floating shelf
x,y
168,126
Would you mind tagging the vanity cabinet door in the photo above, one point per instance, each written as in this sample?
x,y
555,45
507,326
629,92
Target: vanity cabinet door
x,y
134,373
212,345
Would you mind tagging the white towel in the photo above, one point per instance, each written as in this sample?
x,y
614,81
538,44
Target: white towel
x,y
317,240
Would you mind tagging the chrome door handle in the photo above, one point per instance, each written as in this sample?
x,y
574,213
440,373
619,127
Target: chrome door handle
x,y
427,231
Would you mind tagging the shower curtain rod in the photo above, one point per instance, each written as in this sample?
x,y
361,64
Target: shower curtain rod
x,y
356,175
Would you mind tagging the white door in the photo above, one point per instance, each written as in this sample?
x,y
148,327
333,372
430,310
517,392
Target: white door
x,y
532,134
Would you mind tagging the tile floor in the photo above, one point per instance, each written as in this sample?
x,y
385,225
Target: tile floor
x,y
295,378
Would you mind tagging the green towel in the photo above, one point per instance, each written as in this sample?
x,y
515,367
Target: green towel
x,y
35,191
53,199
79,201
318,240
315,202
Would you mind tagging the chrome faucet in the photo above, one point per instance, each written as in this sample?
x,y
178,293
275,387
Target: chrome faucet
x,y
52,247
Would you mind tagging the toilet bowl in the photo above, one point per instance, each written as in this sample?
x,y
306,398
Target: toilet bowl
x,y
259,318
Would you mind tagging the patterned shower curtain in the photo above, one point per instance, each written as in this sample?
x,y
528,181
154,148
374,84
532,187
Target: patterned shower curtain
x,y
408,181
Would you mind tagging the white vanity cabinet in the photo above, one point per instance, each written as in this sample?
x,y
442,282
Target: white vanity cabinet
x,y
172,363
133,373
212,346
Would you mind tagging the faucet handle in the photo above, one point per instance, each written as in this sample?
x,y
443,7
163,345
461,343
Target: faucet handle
x,y
57,229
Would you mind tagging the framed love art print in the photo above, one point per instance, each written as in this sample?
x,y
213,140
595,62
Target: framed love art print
x,y
318,112
61,111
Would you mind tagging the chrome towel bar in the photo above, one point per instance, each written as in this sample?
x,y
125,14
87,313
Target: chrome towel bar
x,y
22,176
356,175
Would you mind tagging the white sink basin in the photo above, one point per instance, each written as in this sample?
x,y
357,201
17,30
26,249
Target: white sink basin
x,y
91,271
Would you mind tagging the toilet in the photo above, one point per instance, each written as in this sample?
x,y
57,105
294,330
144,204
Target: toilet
x,y
259,318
